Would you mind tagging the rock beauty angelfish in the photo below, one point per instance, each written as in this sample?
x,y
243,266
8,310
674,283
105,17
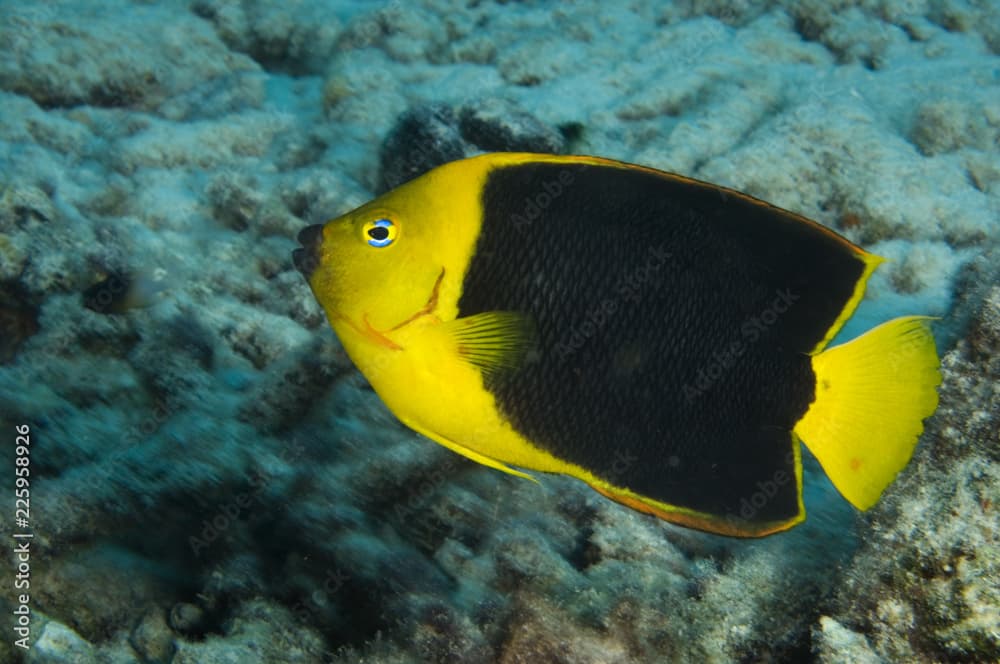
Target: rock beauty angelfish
x,y
660,338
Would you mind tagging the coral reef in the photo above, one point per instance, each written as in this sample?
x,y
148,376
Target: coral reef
x,y
923,584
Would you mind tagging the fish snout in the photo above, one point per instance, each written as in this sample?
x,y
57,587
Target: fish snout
x,y
306,259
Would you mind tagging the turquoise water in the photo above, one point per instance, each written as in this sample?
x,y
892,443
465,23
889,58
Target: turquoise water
x,y
208,477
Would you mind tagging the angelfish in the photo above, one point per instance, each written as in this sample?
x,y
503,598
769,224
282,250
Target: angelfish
x,y
660,338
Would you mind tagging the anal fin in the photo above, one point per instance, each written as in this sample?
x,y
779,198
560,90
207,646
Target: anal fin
x,y
468,453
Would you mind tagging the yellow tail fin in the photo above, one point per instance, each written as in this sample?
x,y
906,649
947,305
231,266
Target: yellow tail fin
x,y
872,395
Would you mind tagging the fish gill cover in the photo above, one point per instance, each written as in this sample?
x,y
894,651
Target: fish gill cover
x,y
211,480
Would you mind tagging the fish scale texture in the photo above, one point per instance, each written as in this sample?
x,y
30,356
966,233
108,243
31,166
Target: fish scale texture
x,y
670,352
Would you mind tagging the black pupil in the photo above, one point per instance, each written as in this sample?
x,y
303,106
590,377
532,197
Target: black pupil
x,y
378,233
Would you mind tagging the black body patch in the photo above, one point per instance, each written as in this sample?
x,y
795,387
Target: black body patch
x,y
672,323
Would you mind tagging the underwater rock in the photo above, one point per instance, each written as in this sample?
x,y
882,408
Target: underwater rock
x,y
186,618
422,138
540,632
295,151
538,60
173,365
119,292
25,205
495,125
152,638
835,644
439,631
241,202
972,288
427,136
289,38
259,632
115,54
58,644
947,125
12,258
29,209
286,393
922,586
86,587
235,199
529,560
220,96
204,144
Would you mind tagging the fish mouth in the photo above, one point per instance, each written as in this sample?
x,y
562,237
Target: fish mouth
x,y
306,259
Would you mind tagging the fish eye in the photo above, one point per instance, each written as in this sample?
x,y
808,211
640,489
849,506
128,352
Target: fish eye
x,y
380,233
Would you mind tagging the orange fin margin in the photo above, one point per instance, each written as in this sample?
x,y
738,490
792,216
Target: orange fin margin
x,y
705,522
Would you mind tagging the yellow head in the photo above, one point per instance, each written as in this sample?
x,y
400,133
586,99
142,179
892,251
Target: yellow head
x,y
398,257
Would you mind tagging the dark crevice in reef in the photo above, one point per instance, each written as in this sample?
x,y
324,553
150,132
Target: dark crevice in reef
x,y
18,319
585,553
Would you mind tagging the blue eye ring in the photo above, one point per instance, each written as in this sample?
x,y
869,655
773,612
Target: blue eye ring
x,y
380,233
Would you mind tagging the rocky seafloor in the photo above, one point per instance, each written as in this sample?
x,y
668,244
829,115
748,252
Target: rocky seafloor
x,y
212,481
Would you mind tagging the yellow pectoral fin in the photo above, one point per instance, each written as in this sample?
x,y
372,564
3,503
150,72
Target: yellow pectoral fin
x,y
469,454
491,341
437,387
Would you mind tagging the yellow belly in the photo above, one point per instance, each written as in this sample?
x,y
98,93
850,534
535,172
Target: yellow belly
x,y
435,392
419,374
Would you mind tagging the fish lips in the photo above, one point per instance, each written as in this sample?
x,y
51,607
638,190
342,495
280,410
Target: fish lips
x,y
306,259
